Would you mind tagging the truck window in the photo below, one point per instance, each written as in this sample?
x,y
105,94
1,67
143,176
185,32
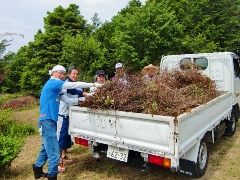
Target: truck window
x,y
184,63
185,60
201,62
236,60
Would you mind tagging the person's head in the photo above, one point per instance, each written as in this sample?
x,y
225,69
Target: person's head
x,y
100,77
58,71
119,68
150,70
73,73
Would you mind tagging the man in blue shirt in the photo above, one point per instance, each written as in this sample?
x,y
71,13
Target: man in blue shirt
x,y
49,106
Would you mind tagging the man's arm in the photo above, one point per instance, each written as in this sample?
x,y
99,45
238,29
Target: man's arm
x,y
73,85
79,92
75,91
69,101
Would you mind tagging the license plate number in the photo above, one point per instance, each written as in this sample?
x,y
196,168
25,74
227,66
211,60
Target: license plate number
x,y
117,153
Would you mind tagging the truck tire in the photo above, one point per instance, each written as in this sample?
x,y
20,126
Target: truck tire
x,y
231,125
202,159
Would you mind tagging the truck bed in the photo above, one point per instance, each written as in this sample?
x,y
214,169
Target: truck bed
x,y
152,134
193,125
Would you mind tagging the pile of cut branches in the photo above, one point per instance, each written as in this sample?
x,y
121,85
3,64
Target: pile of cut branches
x,y
170,94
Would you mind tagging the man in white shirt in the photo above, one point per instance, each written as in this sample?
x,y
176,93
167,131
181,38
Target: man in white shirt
x,y
69,97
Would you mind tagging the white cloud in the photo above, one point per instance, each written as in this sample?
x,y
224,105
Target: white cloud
x,y
26,17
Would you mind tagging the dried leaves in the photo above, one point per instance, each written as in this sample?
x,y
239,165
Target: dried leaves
x,y
170,93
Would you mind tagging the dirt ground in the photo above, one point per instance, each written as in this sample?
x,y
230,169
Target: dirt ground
x,y
224,160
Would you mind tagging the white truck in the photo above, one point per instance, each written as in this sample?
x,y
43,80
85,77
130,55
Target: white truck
x,y
180,143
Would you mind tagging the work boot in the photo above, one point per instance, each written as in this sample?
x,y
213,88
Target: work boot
x,y
52,177
38,172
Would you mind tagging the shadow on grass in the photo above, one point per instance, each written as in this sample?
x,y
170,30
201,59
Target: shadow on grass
x,y
86,167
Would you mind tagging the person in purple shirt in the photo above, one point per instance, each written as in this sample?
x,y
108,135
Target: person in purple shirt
x,y
49,107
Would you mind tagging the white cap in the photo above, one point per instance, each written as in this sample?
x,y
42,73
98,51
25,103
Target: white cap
x,y
57,68
118,65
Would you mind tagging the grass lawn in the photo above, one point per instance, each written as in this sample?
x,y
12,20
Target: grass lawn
x,y
223,161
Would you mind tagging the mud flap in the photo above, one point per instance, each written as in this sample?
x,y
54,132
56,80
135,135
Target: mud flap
x,y
187,168
237,111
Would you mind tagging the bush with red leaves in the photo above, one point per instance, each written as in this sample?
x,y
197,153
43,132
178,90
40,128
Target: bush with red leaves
x,y
21,102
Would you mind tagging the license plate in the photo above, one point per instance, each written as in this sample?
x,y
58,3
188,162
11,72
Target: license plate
x,y
117,153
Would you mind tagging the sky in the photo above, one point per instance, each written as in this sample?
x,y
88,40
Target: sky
x,y
21,19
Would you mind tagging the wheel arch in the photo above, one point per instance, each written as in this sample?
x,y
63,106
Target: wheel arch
x,y
188,163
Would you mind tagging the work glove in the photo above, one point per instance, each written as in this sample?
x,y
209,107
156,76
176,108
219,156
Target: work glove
x,y
90,94
81,99
98,85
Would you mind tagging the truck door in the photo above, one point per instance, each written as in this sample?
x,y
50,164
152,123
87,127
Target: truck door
x,y
236,64
219,71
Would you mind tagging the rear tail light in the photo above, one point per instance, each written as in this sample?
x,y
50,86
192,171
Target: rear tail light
x,y
167,162
155,159
81,141
159,160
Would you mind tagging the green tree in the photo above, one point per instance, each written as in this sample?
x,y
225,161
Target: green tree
x,y
2,61
208,25
86,53
3,45
4,57
5,61
47,49
15,69
145,34
96,22
106,34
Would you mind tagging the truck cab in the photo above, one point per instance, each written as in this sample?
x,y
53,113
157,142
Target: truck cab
x,y
221,67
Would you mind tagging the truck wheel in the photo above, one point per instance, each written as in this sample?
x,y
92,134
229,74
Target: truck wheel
x,y
202,159
231,125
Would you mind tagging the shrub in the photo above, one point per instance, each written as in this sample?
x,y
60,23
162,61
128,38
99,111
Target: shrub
x,y
12,137
20,102
19,130
9,149
5,119
5,97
